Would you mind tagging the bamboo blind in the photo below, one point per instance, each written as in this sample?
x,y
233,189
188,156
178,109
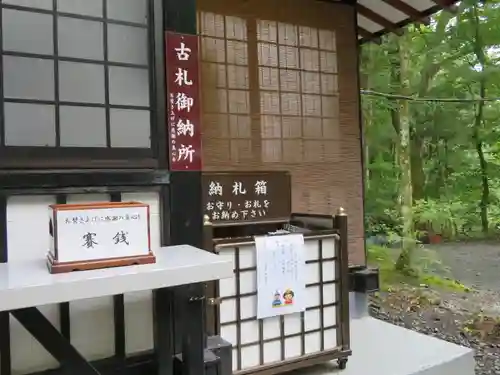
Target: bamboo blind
x,y
297,85
225,93
279,89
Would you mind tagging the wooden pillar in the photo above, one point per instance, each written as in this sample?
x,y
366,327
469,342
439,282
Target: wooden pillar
x,y
186,211
186,214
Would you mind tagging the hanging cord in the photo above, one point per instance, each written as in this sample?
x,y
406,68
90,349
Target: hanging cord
x,y
417,99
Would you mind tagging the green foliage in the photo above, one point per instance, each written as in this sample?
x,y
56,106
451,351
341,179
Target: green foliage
x,y
440,216
454,146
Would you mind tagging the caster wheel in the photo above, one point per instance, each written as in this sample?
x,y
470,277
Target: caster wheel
x,y
342,363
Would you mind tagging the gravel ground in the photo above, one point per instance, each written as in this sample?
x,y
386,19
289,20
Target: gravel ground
x,y
469,319
475,264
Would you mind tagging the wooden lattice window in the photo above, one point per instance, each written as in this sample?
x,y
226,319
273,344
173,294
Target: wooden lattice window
x,y
298,92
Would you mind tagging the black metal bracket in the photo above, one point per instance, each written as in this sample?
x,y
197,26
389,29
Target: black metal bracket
x,y
348,2
53,341
5,357
192,299
364,279
163,300
210,363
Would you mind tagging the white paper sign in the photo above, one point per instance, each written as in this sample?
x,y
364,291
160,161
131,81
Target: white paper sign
x,y
281,287
90,234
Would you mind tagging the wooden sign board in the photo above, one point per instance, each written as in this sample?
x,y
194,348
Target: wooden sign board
x,y
184,109
98,235
246,197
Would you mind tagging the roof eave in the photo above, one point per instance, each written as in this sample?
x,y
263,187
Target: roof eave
x,y
448,5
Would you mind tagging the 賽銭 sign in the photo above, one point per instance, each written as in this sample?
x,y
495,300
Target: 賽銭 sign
x,y
230,197
183,101
99,232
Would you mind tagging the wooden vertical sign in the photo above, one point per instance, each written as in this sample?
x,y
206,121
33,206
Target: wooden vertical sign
x,y
184,112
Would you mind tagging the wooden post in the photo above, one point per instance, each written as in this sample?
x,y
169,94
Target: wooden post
x,y
341,224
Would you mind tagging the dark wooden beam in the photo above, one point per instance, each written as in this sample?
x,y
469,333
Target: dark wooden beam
x,y
377,18
448,5
411,12
368,36
364,33
425,20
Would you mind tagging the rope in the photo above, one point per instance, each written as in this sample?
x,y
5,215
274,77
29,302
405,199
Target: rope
x,y
417,99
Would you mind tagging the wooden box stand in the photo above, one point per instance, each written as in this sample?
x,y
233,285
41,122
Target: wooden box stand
x,y
61,267
98,235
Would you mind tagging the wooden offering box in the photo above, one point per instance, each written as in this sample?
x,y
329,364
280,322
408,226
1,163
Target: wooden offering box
x,y
98,235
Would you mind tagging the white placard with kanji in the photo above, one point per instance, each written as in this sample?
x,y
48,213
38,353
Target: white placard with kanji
x,y
281,287
93,234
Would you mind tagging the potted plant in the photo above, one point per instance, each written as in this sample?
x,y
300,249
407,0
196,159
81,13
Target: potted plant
x,y
434,219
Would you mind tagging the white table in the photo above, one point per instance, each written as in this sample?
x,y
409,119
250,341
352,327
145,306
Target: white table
x,y
25,285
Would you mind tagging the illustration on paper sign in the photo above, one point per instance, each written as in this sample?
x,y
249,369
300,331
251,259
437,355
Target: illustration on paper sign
x,y
277,299
288,297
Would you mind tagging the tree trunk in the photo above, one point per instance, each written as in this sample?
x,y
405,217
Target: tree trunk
x,y
417,166
478,121
483,165
368,120
431,67
405,190
485,191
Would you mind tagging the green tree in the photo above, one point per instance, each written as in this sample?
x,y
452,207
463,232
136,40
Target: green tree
x,y
433,164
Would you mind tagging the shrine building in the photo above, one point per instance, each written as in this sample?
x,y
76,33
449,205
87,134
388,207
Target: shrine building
x,y
138,100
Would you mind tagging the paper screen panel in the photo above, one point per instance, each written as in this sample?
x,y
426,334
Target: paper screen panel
x,y
235,359
228,311
29,212
250,356
92,321
258,342
313,342
247,256
330,338
272,351
250,331
311,273
271,328
293,324
312,250
293,347
139,305
329,247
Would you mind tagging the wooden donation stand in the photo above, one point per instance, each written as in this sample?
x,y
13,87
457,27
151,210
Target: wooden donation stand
x,y
286,306
98,235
